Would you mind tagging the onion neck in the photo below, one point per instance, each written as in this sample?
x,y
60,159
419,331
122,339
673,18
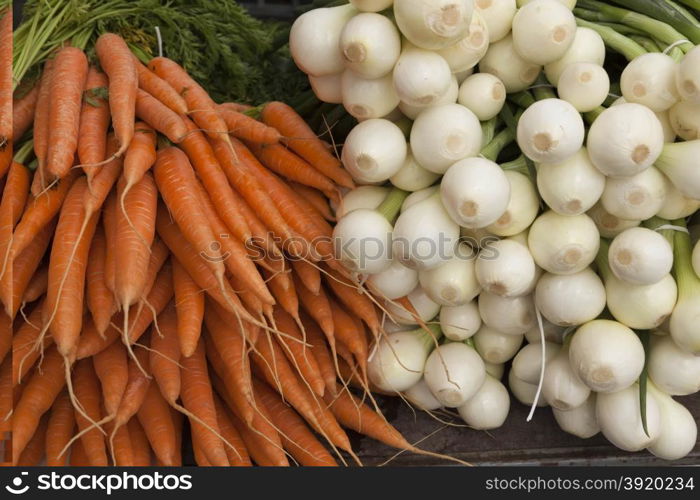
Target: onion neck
x,y
601,260
391,206
518,165
617,42
494,148
430,336
688,282
655,223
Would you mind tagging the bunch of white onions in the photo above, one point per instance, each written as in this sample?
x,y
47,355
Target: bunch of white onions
x,y
553,259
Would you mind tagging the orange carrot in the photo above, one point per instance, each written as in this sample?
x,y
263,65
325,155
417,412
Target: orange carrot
x,y
120,447
37,398
109,221
6,84
37,286
197,397
308,274
23,343
140,447
159,116
136,226
319,348
297,353
296,436
23,113
94,122
112,370
189,306
227,386
9,397
199,105
38,213
100,300
239,457
14,197
302,140
40,131
165,355
319,308
67,271
159,254
14,284
285,163
234,252
5,335
160,89
314,199
228,203
34,451
60,429
87,394
154,415
347,332
358,303
139,158
118,62
104,179
246,128
67,84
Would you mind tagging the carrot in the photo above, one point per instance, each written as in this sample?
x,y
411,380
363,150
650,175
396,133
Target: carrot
x,y
40,130
189,307
233,251
246,184
23,343
319,308
197,398
319,348
109,221
140,447
60,429
87,395
285,163
38,213
23,112
160,89
296,436
120,448
5,335
348,333
14,197
246,128
8,399
251,302
282,288
241,108
314,200
118,62
37,398
228,385
34,451
94,122
175,179
78,456
358,303
91,342
165,355
297,353
199,105
228,203
308,274
194,264
5,160
239,457
112,370
136,226
261,439
67,84
231,348
286,202
14,284
104,179
100,300
179,420
37,286
6,84
302,140
137,383
154,415
67,271
158,116
159,254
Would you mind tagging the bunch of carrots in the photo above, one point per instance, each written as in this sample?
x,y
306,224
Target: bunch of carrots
x,y
164,257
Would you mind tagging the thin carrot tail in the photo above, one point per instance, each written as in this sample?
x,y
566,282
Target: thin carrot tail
x,y
127,341
74,401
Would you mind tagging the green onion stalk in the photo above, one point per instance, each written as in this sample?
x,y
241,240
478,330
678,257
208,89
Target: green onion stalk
x,y
686,315
391,206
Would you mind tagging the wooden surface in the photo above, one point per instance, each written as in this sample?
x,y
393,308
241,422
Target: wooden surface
x,y
539,442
